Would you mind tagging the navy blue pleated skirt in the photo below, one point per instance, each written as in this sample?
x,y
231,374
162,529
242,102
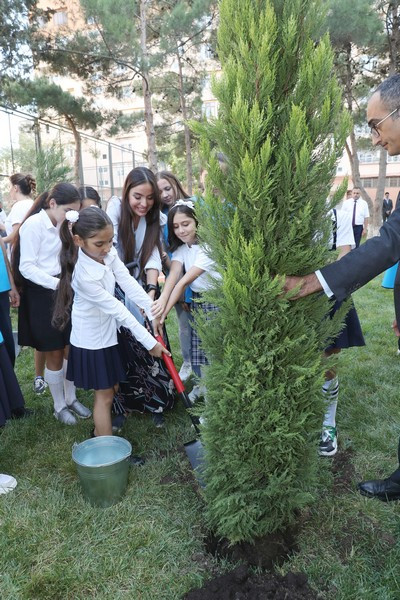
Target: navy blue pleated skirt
x,y
95,369
351,334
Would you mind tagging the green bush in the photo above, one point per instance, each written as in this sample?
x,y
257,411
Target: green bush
x,y
282,129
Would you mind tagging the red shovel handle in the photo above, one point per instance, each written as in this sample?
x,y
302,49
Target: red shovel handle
x,y
169,363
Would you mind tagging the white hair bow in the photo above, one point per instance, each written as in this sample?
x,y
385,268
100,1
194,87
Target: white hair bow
x,y
72,216
187,203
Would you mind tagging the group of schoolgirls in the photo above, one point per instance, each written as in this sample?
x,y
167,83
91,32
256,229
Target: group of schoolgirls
x,y
80,305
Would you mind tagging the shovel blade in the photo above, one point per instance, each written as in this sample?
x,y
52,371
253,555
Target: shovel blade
x,y
195,454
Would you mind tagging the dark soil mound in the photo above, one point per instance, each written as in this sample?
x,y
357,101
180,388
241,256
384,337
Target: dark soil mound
x,y
265,552
240,584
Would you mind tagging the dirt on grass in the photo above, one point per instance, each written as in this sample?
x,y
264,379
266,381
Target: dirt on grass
x,y
242,584
343,472
264,552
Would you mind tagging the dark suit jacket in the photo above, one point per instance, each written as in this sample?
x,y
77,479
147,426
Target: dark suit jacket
x,y
361,265
387,205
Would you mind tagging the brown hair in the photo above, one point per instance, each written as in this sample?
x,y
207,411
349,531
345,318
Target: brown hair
x,y
173,240
26,183
126,236
61,193
179,192
91,220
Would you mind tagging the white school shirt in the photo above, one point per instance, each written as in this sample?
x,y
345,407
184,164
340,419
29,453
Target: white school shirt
x,y
96,313
362,210
344,228
17,214
114,212
40,250
195,256
344,237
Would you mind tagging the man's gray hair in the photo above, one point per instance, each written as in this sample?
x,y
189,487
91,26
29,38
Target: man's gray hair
x,y
389,91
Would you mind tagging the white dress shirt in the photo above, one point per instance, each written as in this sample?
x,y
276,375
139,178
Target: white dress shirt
x,y
17,214
362,210
96,313
40,249
344,237
195,256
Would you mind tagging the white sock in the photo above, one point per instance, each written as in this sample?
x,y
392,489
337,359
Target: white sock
x,y
69,386
330,390
55,380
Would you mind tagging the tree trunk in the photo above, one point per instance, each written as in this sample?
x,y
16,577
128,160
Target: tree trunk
x,y
148,110
352,149
77,154
376,215
393,34
188,147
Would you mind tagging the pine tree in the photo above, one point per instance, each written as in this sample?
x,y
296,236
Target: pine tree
x,y
282,128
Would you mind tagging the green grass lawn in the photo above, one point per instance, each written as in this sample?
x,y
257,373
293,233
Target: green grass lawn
x,y
53,545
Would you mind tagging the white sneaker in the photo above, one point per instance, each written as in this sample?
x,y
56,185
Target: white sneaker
x,y
185,370
197,392
65,416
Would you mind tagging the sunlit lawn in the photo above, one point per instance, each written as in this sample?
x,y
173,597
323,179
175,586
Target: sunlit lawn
x,y
53,545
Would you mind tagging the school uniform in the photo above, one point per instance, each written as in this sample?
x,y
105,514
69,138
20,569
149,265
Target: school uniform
x,y
17,214
94,361
351,335
5,320
39,265
146,384
11,399
196,256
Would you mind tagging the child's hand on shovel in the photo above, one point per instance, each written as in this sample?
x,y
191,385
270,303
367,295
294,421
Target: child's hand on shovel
x,y
158,350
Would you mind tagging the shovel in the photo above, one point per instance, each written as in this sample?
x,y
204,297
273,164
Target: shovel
x,y
194,449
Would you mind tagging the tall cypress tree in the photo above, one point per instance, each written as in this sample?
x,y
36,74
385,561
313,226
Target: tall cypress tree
x,y
282,128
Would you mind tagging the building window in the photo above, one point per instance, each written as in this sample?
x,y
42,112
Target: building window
x,y
104,156
103,182
60,18
103,169
369,182
210,109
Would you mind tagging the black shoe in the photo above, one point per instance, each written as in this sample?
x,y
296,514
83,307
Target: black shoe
x,y
158,419
383,489
136,461
117,423
21,413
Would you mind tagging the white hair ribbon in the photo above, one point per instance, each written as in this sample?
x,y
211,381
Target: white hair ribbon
x,y
72,216
187,203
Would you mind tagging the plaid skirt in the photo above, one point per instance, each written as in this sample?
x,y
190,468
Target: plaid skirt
x,y
198,355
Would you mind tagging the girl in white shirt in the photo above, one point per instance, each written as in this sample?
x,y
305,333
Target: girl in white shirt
x,y
22,186
36,259
94,360
147,386
200,270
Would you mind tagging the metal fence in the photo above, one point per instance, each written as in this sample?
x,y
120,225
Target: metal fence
x,y
104,165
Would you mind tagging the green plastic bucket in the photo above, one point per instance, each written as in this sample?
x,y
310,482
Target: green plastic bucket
x,y
103,466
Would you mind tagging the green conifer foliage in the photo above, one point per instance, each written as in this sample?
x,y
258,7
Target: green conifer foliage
x,y
282,129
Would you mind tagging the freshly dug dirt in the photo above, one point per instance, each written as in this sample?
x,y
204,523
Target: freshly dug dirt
x,y
265,552
240,584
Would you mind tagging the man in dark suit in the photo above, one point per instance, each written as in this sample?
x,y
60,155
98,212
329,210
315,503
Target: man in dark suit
x,y
387,207
345,276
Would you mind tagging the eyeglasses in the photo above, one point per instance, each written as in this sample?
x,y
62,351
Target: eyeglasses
x,y
374,128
